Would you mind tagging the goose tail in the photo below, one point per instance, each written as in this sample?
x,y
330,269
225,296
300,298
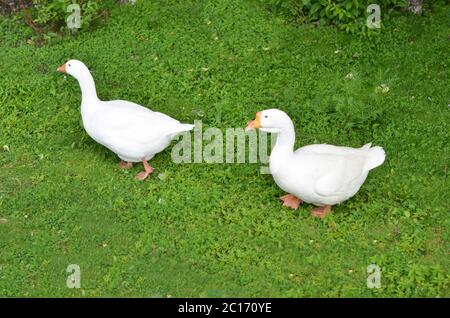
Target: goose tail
x,y
375,156
180,128
187,127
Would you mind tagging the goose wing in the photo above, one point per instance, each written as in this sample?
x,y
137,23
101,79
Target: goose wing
x,y
124,120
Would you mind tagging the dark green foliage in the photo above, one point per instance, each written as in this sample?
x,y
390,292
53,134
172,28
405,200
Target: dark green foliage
x,y
347,15
50,16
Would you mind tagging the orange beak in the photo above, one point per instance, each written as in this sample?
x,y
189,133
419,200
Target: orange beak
x,y
254,123
62,68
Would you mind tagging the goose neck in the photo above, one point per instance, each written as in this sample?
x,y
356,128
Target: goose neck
x,y
285,140
87,86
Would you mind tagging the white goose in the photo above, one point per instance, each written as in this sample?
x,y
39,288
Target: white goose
x,y
133,132
321,174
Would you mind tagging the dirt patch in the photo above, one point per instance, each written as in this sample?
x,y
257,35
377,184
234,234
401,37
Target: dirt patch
x,y
8,6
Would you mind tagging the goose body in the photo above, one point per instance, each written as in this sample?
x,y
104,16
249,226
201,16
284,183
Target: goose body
x,y
321,174
133,132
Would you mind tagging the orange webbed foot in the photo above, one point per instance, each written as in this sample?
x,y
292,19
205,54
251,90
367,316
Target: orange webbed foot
x,y
144,174
125,164
291,201
321,212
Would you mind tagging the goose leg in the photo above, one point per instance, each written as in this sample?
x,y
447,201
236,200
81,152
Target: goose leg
x,y
321,212
125,164
144,174
291,201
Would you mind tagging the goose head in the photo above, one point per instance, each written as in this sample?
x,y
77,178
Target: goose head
x,y
270,120
81,73
75,68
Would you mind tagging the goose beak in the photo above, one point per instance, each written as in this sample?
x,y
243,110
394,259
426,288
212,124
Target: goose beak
x,y
62,68
254,123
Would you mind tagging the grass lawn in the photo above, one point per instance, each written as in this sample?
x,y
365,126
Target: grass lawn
x,y
220,230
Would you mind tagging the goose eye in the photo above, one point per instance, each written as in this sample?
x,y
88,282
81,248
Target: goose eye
x,y
266,116
68,64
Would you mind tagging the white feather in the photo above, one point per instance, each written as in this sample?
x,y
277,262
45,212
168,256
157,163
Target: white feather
x,y
135,133
321,174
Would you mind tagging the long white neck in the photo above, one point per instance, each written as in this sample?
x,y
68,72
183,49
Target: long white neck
x,y
284,146
87,85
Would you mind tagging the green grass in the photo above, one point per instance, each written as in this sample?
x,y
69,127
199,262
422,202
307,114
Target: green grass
x,y
219,229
